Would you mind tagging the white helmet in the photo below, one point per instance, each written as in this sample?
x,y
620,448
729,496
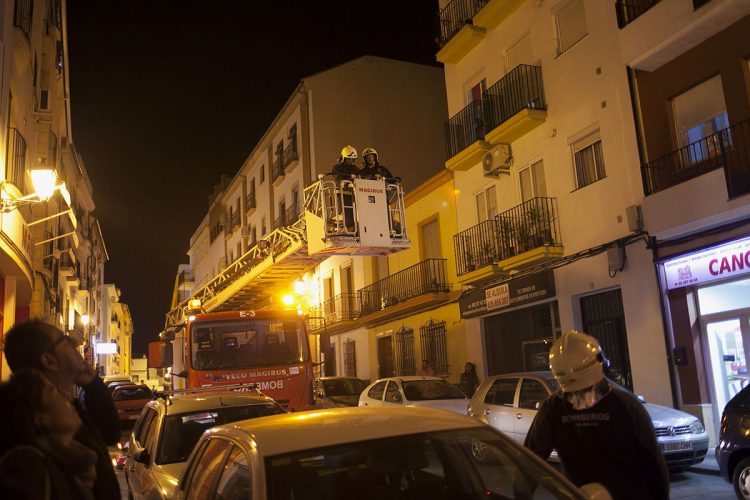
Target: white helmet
x,y
576,361
349,152
370,151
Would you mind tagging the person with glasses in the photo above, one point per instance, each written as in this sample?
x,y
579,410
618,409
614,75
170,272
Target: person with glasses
x,y
601,432
40,346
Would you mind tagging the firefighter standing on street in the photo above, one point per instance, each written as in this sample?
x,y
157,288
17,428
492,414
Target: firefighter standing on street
x,y
601,432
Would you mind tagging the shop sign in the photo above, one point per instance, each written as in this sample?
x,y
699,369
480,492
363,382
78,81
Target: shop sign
x,y
513,293
723,261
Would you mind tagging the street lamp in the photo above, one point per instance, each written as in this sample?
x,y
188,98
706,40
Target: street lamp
x,y
44,180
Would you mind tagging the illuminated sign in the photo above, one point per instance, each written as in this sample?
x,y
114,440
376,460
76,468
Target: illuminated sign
x,y
711,264
106,348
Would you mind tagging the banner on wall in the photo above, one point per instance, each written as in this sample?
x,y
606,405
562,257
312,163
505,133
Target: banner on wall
x,y
513,293
711,264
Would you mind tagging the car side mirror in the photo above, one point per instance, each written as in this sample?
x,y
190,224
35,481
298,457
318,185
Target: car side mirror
x,y
141,456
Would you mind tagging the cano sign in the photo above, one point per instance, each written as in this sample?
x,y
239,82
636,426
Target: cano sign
x,y
715,263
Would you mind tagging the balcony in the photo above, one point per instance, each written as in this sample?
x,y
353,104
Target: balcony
x,y
289,216
22,15
291,158
493,12
277,170
416,287
628,10
728,149
335,314
457,33
464,137
250,203
514,105
525,235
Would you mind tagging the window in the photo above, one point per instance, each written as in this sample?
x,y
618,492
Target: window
x,y
377,391
263,226
474,92
431,240
235,479
532,393
698,114
486,201
262,174
434,347
350,358
203,481
518,53
502,392
570,21
588,160
392,394
405,351
531,180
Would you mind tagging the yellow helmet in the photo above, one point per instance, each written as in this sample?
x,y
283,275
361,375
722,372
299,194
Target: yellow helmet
x,y
349,152
576,361
370,151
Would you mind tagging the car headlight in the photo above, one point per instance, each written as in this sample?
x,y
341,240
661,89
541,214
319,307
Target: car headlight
x,y
697,427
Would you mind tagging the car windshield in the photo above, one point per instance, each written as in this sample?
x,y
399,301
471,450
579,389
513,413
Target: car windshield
x,y
343,387
132,393
425,390
182,431
463,463
247,343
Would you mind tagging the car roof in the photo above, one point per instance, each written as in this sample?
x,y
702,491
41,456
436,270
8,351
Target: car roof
x,y
544,374
183,403
278,434
408,378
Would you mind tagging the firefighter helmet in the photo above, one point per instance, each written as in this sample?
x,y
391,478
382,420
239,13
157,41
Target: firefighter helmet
x,y
576,361
370,151
349,152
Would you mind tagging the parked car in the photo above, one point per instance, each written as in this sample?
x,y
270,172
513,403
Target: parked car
x,y
432,392
129,401
733,451
112,384
168,429
331,392
367,453
509,403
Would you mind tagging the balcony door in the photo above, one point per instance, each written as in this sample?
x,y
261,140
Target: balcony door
x,y
698,114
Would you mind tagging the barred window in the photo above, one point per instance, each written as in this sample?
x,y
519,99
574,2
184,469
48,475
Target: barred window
x,y
405,351
434,348
350,358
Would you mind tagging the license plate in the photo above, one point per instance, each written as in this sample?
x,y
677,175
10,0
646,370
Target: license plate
x,y
678,446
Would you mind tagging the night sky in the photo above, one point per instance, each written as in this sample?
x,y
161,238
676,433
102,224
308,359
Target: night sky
x,y
168,95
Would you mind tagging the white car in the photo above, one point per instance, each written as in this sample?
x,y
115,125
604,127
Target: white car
x,y
168,429
368,453
429,392
509,403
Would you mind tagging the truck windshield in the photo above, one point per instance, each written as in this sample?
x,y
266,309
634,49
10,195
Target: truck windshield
x,y
247,343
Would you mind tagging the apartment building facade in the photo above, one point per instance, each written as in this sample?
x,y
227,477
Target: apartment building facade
x,y
559,222
52,253
690,73
117,334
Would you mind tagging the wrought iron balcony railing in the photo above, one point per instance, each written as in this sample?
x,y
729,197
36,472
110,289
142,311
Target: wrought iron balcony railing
x,y
23,14
290,154
15,162
522,88
628,10
234,220
530,225
464,128
277,168
250,201
342,307
728,148
455,16
289,216
426,277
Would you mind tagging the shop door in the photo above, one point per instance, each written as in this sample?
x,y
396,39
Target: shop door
x,y
385,357
728,340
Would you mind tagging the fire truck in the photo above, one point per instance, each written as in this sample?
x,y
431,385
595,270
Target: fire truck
x,y
219,336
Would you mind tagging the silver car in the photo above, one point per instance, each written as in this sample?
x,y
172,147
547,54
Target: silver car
x,y
168,429
415,390
509,403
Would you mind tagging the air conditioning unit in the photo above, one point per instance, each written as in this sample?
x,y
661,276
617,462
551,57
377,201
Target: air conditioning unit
x,y
497,160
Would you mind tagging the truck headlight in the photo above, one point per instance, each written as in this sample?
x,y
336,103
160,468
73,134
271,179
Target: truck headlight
x,y
697,427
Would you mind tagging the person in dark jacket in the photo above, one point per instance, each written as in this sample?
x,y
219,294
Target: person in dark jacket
x,y
345,170
38,424
469,380
601,432
41,346
373,169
